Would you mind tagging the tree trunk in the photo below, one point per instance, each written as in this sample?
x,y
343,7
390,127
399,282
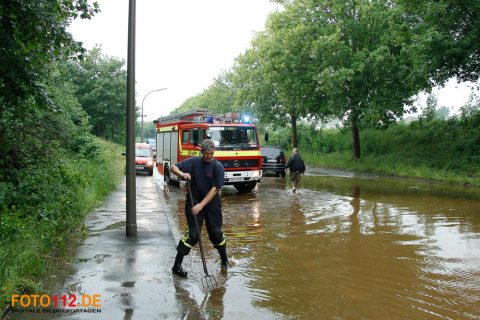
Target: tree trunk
x,y
355,139
294,131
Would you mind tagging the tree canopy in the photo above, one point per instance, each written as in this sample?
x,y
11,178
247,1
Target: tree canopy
x,y
448,36
276,76
101,86
32,35
332,58
218,98
361,61
37,111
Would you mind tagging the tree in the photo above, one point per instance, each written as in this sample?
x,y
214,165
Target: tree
x,y
33,38
430,110
350,59
449,35
471,107
33,34
276,75
366,63
442,113
101,84
149,130
218,98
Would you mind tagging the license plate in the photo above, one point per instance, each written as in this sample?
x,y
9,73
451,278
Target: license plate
x,y
139,167
271,160
235,179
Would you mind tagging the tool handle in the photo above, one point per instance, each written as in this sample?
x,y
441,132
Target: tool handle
x,y
202,254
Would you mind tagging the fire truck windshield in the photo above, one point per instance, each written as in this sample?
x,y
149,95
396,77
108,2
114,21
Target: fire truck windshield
x,y
233,137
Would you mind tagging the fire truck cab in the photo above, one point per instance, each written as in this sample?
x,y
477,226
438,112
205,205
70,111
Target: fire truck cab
x,y
179,136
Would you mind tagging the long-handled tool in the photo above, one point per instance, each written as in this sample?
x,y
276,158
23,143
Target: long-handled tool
x,y
208,282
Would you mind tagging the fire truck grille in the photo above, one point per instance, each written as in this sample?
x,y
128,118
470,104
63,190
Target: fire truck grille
x,y
235,164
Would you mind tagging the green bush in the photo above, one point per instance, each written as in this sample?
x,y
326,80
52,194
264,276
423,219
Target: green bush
x,y
444,150
46,207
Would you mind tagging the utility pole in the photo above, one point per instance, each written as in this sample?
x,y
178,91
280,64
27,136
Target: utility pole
x,y
131,205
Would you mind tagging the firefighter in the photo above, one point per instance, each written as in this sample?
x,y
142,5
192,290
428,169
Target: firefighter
x,y
297,168
207,177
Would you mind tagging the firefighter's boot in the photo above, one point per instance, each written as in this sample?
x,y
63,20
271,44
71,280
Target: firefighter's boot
x,y
177,266
223,257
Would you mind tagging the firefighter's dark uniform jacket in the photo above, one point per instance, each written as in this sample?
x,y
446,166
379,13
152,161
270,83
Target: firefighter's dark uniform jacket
x,y
204,177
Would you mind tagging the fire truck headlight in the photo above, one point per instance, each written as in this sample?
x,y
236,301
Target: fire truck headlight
x,y
256,173
150,163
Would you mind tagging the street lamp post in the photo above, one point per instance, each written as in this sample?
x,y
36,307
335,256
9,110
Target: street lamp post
x,y
131,202
141,138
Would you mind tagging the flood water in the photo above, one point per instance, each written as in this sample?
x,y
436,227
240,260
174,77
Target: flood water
x,y
345,246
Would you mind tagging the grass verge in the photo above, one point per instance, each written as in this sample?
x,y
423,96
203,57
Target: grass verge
x,y
389,165
46,212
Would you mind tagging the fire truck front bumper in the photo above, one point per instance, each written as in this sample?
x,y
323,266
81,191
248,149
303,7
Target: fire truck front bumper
x,y
232,177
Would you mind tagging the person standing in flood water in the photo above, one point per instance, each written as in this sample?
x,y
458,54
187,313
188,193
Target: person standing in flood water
x,y
207,178
297,168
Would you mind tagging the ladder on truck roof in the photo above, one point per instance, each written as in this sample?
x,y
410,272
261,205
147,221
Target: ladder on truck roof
x,y
197,115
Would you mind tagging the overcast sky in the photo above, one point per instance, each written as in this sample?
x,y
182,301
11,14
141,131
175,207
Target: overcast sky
x,y
183,45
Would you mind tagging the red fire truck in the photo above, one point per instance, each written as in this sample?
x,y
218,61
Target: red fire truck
x,y
179,136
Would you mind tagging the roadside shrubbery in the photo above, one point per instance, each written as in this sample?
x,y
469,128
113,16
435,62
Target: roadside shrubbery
x,y
52,172
443,150
46,207
52,169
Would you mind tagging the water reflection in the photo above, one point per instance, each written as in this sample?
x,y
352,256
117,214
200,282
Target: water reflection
x,y
126,298
355,202
350,247
354,249
210,306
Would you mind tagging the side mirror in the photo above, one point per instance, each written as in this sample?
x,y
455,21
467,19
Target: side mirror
x,y
195,137
266,136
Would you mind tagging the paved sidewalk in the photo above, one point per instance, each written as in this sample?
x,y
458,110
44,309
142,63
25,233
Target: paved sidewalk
x,y
132,275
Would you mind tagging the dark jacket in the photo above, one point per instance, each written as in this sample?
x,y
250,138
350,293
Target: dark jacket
x,y
295,163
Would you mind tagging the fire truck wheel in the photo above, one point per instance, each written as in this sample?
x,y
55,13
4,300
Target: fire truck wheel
x,y
245,187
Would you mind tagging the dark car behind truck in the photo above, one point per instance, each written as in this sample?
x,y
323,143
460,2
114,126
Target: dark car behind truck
x,y
273,160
